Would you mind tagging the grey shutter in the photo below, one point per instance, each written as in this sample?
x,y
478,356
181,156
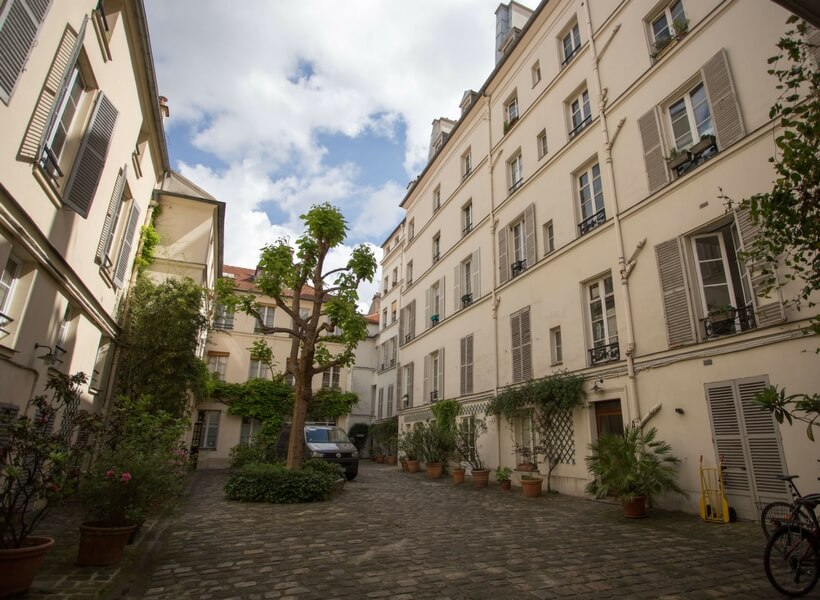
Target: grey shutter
x,y
463,368
19,22
393,347
721,93
656,172
426,386
526,346
529,230
125,249
677,307
515,328
727,435
441,298
476,276
768,309
457,288
410,383
503,263
114,205
467,365
88,167
428,294
441,374
813,38
412,319
402,318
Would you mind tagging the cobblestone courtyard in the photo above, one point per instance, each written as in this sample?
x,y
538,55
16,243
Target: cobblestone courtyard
x,y
401,536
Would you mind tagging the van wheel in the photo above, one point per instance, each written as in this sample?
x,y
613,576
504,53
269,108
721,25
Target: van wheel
x,y
350,476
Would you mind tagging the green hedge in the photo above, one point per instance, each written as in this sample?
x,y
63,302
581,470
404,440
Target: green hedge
x,y
260,482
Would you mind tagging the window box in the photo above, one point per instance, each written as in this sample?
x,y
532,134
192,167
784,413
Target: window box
x,y
434,319
518,267
706,146
466,300
508,124
726,320
678,159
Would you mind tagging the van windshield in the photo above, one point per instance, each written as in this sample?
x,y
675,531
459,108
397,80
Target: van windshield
x,y
315,435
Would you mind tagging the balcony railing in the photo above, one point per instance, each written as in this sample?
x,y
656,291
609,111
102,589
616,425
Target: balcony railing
x,y
435,257
434,319
729,320
688,159
466,300
223,323
592,222
466,229
570,56
518,267
580,126
434,396
516,184
604,353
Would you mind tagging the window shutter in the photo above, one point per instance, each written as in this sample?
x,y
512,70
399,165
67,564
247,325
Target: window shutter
x,y
393,350
503,263
19,23
441,395
410,383
125,249
463,369
476,276
768,309
402,317
467,365
656,172
441,299
413,318
426,386
677,306
88,167
529,230
526,346
813,38
457,275
727,436
721,93
114,206
428,295
515,327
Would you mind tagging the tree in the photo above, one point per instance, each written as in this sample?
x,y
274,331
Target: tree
x,y
331,317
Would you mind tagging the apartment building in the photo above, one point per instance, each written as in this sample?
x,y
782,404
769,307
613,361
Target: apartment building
x,y
81,155
573,219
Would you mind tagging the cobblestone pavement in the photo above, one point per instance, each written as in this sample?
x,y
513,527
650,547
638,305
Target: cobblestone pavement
x,y
404,537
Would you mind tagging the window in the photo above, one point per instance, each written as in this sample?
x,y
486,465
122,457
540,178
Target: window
x,y
384,318
467,218
217,362
258,370
536,73
19,23
434,376
521,346
467,281
407,323
510,112
524,434
541,141
591,198
436,247
249,430
62,330
409,268
407,400
119,197
290,379
516,245
8,281
603,324
556,347
266,321
390,390
386,283
549,238
690,118
466,164
570,43
436,198
223,317
668,24
393,311
395,276
519,248
411,229
330,378
608,418
467,365
516,169
209,420
435,305
64,117
380,413
580,113
100,369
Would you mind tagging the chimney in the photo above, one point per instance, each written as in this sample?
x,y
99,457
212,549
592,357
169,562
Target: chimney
x,y
163,107
509,21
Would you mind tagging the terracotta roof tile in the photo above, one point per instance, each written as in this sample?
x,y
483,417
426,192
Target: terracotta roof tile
x,y
374,318
243,278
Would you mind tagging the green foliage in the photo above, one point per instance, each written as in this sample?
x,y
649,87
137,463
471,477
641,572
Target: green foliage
x,y
147,255
161,328
330,403
269,400
276,484
245,454
358,434
262,352
445,413
631,465
437,442
798,407
411,443
40,467
467,434
384,436
503,473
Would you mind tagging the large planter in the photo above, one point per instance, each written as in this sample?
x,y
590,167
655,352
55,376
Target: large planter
x,y
458,476
481,478
505,484
100,545
434,470
18,566
531,487
635,508
391,459
412,466
380,459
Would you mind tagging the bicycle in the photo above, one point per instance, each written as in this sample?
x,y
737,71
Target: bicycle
x,y
792,555
779,513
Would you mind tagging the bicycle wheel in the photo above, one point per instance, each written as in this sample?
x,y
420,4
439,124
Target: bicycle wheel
x,y
779,514
791,561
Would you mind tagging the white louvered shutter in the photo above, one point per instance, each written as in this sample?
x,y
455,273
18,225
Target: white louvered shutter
x,y
441,298
503,263
529,231
457,273
441,395
125,249
476,266
677,307
111,218
727,435
515,327
402,319
19,22
428,295
722,99
657,173
526,346
426,381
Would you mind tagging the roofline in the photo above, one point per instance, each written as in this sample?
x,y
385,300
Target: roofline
x,y
480,92
395,229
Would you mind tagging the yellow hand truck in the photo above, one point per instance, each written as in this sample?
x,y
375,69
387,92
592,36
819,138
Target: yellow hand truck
x,y
714,508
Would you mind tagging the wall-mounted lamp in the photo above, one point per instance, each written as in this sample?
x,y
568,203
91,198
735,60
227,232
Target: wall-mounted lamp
x,y
52,357
679,410
596,387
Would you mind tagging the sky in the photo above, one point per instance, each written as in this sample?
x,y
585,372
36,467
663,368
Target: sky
x,y
276,106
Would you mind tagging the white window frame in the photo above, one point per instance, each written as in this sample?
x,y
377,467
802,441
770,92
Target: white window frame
x,y
408,386
524,433
591,202
580,112
51,158
380,413
668,16
467,218
248,430
549,238
331,378
572,34
409,273
258,369
536,73
218,363
466,164
223,318
435,299
268,314
210,428
411,229
541,143
395,277
696,130
608,336
556,346
518,239
725,261
435,366
516,171
8,283
511,113
436,248
436,198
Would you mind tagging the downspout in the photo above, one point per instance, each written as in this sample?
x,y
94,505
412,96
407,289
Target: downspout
x,y
632,388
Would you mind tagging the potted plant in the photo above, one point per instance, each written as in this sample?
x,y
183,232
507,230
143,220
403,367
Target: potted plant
x,y
437,447
467,434
678,158
38,468
503,475
632,467
410,444
706,142
681,26
458,474
722,319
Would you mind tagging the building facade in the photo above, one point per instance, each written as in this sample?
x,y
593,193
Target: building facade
x,y
575,219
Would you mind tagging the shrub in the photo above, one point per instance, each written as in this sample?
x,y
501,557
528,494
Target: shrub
x,y
260,482
245,454
325,467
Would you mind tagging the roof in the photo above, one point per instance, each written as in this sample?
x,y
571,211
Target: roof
x,y
374,318
243,278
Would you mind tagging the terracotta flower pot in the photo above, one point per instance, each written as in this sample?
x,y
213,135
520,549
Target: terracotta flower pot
x,y
380,459
412,466
391,459
481,478
506,484
403,463
100,545
525,467
458,476
18,566
635,508
434,470
531,487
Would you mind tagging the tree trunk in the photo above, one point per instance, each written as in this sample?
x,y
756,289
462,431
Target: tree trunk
x,y
303,396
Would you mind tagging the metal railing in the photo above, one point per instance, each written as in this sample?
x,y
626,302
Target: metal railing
x,y
604,353
728,321
592,222
518,267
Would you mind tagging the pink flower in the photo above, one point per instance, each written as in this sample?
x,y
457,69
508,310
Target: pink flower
x,y
126,477
110,473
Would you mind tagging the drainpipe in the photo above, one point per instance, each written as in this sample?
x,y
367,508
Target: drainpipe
x,y
632,389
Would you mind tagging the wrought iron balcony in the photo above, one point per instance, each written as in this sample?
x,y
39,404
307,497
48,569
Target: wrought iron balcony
x,y
434,319
728,320
518,267
435,257
592,222
604,353
466,300
468,227
516,184
580,126
434,396
570,56
408,337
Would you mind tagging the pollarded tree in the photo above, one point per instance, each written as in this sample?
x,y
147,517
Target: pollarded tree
x,y
327,328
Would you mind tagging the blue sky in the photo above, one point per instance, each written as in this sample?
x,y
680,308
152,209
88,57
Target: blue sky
x,y
276,106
